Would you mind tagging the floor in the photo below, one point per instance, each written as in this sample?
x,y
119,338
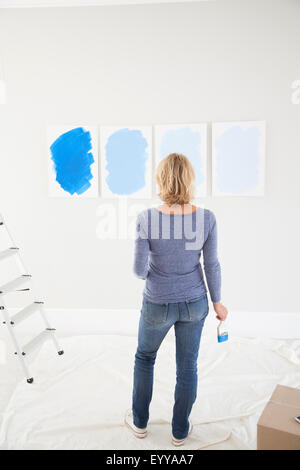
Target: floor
x,y
78,400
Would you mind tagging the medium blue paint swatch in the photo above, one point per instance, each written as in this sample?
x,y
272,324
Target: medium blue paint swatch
x,y
187,141
72,158
238,160
126,157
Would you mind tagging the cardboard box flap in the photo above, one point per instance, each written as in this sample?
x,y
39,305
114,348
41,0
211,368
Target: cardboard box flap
x,y
281,410
286,396
280,417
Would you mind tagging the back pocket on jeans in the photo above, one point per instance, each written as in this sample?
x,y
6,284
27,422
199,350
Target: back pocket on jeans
x,y
198,308
155,314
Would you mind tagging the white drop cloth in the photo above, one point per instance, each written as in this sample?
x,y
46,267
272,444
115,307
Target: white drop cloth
x,y
78,400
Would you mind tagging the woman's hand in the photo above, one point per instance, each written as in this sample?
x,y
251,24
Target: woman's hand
x,y
220,310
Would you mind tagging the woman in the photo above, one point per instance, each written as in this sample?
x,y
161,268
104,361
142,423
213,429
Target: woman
x,y
169,241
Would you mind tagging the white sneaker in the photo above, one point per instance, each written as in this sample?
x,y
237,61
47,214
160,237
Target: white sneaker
x,y
179,442
138,432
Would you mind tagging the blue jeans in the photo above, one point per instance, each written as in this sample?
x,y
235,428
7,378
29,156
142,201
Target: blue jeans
x,y
155,321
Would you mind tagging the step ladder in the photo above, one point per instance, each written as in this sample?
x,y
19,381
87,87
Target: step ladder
x,y
22,283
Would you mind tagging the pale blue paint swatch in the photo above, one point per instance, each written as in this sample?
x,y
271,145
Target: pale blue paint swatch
x,y
187,141
237,160
72,159
126,158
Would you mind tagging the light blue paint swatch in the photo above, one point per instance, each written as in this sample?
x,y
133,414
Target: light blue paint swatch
x,y
126,158
187,141
72,158
237,160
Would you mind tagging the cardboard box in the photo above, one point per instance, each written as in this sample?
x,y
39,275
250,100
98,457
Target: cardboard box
x,y
277,428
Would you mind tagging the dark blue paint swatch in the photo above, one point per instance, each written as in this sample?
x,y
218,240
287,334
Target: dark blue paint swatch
x,y
126,157
72,158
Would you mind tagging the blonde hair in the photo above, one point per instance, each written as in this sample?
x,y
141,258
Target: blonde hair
x,y
175,177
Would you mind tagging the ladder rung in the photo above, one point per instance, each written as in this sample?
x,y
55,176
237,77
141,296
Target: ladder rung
x,y
15,284
25,313
35,342
9,252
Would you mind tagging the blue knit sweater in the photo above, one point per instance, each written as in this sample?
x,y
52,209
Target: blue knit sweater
x,y
168,250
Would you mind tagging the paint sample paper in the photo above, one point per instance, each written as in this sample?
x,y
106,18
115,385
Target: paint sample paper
x,y
126,161
189,139
72,161
238,158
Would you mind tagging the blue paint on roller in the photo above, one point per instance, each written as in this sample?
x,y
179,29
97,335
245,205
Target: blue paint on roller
x,y
237,160
126,157
187,141
72,158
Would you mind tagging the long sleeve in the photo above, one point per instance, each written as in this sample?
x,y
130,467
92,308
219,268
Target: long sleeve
x,y
210,260
141,249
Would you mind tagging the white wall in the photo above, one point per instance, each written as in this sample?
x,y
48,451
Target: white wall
x,y
148,64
